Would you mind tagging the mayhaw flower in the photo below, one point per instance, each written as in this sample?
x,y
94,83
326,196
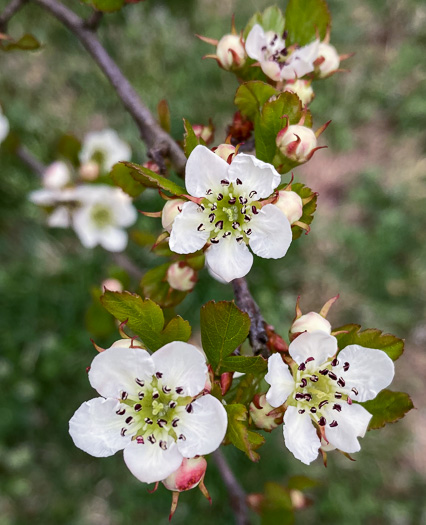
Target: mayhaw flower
x,y
105,148
301,88
4,126
230,208
171,209
152,408
320,391
276,60
312,321
181,277
298,142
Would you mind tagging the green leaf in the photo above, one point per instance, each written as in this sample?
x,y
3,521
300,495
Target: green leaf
x,y
304,18
106,6
25,43
387,407
251,96
190,141
155,286
276,507
98,322
246,387
153,180
146,319
255,19
224,327
302,483
245,364
273,20
370,338
308,209
239,434
121,175
69,147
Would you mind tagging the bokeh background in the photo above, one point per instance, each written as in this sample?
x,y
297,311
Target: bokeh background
x,y
367,243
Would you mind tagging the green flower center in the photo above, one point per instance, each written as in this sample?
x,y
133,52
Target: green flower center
x,y
101,215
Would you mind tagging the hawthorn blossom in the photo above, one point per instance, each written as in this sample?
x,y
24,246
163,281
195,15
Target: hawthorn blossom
x,y
150,407
320,392
105,148
276,60
230,212
4,126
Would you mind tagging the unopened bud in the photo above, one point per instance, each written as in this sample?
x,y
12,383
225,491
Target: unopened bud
x,y
126,343
56,176
225,152
187,476
301,88
262,413
331,59
297,142
181,277
89,170
311,322
113,285
230,52
204,132
170,211
290,203
151,165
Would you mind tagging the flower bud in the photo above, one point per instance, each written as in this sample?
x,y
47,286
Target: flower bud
x,y
56,176
181,277
127,343
171,209
230,52
301,88
310,322
113,285
260,411
225,152
89,170
290,203
331,60
151,165
187,476
297,142
204,132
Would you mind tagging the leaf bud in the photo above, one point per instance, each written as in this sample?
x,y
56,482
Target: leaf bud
x,y
181,277
290,203
171,209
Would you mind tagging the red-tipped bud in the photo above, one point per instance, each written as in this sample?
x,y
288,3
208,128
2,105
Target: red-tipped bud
x,y
226,152
310,322
296,142
230,52
89,170
260,412
226,382
204,132
181,277
187,476
290,203
302,88
330,62
170,211
151,165
113,285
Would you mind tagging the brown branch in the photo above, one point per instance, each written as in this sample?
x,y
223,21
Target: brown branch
x,y
94,20
9,11
236,493
244,300
151,132
29,160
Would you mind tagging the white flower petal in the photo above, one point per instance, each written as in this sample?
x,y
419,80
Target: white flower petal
x,y
44,197
122,207
300,435
108,143
318,345
204,428
204,170
370,371
59,218
229,259
352,422
95,428
4,127
182,365
301,61
84,227
185,237
116,369
149,463
271,233
256,39
280,379
255,175
113,239
272,69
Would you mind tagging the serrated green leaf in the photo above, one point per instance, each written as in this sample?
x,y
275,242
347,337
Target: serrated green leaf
x,y
251,96
387,407
304,18
238,433
122,177
308,209
224,327
276,507
27,42
146,319
370,338
244,389
190,140
153,180
69,147
155,286
245,364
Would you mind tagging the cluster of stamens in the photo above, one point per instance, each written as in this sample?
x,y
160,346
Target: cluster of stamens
x,y
228,212
276,49
152,412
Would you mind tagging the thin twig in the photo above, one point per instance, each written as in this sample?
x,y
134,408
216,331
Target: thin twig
x,y
9,11
121,259
151,132
243,298
94,20
29,160
236,493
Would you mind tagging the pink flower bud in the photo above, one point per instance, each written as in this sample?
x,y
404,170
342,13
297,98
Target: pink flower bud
x,y
260,412
331,60
310,322
151,165
297,142
127,343
89,170
56,176
301,88
290,203
181,277
171,209
187,476
204,132
230,52
225,152
113,285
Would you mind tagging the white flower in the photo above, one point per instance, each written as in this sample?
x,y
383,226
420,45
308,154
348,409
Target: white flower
x,y
331,59
149,408
311,322
104,147
103,213
56,175
61,199
321,391
230,214
4,127
276,61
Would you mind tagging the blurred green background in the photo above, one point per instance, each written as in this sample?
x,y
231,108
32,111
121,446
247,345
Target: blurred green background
x,y
367,243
